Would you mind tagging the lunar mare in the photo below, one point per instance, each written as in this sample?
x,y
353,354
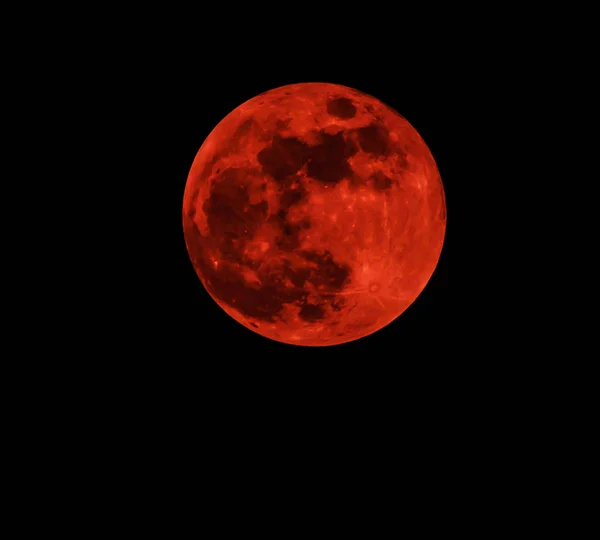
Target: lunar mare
x,y
314,214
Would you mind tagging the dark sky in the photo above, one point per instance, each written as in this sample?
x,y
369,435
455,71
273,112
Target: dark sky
x,y
152,348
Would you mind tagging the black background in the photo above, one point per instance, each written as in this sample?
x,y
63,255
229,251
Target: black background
x,y
162,364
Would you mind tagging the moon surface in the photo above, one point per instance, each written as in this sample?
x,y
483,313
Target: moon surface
x,y
314,214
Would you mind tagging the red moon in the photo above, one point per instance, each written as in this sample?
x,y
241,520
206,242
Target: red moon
x,y
314,214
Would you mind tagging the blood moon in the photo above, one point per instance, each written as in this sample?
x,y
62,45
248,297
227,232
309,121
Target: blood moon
x,y
314,214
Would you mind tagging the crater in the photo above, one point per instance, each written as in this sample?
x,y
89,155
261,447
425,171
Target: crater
x,y
328,161
283,157
374,140
341,108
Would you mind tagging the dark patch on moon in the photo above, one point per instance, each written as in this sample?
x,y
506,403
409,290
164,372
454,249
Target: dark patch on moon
x,y
328,161
229,212
337,304
267,301
279,286
291,196
401,157
290,232
330,275
227,284
381,182
311,313
207,169
261,303
283,157
373,139
282,124
233,221
290,237
352,146
298,276
341,108
289,240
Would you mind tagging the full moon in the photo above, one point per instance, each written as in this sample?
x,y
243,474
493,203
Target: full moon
x,y
314,214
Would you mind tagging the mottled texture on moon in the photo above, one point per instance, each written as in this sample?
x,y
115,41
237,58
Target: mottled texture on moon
x,y
314,214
